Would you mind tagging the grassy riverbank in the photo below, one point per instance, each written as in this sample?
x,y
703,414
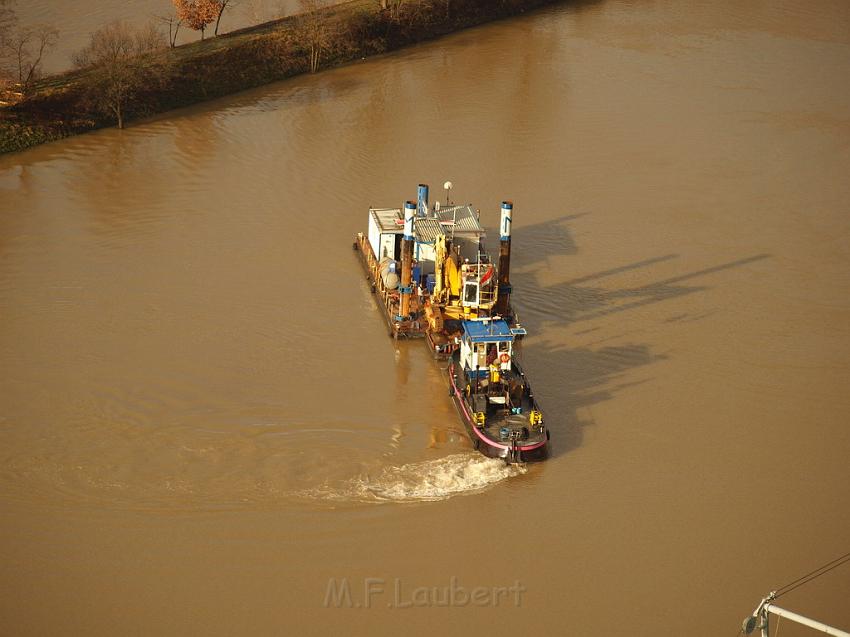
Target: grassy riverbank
x,y
61,105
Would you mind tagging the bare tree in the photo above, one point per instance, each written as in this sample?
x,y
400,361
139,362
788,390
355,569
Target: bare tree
x,y
22,49
122,61
174,25
313,30
222,5
26,47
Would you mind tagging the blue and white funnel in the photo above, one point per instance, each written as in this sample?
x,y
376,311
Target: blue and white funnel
x,y
422,200
409,215
503,304
505,225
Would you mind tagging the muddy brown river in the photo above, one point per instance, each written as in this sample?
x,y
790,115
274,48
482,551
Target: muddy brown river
x,y
204,428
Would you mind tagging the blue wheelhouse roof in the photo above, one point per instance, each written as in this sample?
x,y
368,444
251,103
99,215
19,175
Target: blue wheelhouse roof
x,y
487,331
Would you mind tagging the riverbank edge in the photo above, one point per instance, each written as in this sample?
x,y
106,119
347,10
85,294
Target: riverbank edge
x,y
60,105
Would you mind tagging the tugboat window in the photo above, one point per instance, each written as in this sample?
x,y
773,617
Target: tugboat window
x,y
503,346
470,293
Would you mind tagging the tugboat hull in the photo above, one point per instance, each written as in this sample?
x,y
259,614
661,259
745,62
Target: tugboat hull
x,y
519,452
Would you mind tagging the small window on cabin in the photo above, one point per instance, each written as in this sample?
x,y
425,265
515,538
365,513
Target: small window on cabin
x,y
503,346
470,293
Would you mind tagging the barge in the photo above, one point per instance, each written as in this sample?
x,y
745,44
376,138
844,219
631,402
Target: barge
x,y
433,279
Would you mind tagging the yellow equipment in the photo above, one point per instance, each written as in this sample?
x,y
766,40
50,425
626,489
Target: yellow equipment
x,y
440,252
452,276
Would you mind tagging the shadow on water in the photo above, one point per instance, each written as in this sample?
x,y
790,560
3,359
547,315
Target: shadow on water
x,y
580,377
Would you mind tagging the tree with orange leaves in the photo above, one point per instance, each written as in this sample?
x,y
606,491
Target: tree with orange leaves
x,y
197,13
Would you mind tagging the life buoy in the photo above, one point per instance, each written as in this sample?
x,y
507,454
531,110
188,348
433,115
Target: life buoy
x,y
487,275
505,358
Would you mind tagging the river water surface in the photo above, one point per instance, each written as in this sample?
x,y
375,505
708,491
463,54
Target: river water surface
x,y
202,420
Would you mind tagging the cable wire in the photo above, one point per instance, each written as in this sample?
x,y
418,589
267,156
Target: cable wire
x,y
805,579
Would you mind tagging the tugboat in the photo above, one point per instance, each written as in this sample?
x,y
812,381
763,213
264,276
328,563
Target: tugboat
x,y
429,269
493,396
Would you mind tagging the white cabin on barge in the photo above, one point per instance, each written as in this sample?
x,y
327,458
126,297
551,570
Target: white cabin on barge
x,y
458,223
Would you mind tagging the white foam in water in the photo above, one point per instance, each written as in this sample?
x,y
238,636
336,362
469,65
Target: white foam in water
x,y
437,479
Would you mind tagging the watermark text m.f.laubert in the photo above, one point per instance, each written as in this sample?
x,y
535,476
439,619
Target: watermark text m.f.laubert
x,y
344,593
